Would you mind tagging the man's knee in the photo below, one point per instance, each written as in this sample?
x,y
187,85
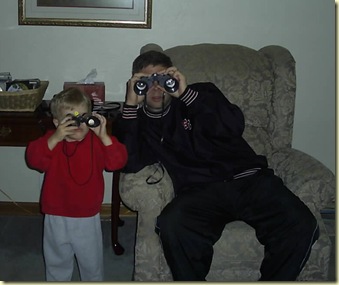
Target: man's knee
x,y
309,229
307,223
167,221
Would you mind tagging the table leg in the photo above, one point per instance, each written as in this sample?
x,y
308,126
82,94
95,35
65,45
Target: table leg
x,y
115,210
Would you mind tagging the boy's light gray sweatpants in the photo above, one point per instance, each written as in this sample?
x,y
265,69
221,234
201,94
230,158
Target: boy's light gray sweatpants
x,y
65,238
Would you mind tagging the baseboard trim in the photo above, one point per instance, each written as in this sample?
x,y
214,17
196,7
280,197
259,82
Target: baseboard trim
x,y
33,208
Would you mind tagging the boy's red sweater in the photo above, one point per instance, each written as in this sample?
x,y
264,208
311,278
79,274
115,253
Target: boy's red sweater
x,y
73,183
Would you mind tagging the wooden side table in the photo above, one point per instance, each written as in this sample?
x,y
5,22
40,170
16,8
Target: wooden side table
x,y
19,128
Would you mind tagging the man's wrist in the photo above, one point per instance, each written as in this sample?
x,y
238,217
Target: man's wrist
x,y
188,96
129,111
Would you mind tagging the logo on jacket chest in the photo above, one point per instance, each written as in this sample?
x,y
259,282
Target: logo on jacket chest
x,y
186,124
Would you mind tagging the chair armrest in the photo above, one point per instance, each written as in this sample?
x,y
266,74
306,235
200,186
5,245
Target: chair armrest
x,y
305,176
139,196
148,200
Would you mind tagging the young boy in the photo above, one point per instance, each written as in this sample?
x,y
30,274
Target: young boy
x,y
73,158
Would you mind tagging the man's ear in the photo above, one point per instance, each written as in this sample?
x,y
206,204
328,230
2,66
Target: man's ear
x,y
56,122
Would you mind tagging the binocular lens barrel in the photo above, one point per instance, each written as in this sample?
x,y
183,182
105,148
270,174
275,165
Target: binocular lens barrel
x,y
90,121
169,83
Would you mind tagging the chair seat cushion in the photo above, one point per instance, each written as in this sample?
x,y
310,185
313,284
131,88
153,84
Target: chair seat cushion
x,y
237,254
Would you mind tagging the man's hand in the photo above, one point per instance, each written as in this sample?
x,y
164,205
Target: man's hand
x,y
131,97
175,73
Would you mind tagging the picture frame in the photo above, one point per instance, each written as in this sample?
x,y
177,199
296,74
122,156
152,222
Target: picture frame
x,y
86,13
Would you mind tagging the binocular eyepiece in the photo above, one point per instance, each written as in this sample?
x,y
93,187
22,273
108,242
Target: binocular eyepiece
x,y
91,121
166,81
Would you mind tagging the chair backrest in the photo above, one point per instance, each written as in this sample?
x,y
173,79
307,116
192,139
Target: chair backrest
x,y
262,83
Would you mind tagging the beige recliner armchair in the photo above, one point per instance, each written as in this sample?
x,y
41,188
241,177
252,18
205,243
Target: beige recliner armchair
x,y
263,84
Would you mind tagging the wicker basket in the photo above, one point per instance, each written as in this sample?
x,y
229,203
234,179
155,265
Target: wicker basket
x,y
22,101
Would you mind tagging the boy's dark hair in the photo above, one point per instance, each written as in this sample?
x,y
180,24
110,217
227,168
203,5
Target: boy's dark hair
x,y
151,57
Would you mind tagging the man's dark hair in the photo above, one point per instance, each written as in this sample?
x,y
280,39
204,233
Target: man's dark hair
x,y
151,57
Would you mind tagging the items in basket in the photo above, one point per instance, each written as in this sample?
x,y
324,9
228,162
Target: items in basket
x,y
4,78
22,84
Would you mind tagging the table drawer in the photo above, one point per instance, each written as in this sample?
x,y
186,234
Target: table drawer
x,y
19,130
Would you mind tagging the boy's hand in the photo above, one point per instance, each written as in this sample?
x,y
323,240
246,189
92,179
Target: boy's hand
x,y
64,128
101,131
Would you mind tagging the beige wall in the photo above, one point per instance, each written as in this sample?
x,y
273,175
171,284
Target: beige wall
x,y
58,54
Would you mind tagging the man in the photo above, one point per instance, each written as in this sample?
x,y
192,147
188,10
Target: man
x,y
196,134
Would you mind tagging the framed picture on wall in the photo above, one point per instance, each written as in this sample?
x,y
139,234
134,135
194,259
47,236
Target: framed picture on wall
x,y
87,13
